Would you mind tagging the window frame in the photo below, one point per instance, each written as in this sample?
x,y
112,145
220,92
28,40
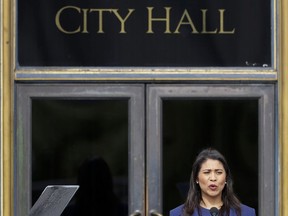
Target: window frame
x,y
264,93
23,139
27,73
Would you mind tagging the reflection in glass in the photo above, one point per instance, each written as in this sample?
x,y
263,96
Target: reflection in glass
x,y
82,142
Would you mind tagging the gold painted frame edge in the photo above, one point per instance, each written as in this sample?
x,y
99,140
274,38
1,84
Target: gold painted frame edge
x,y
6,109
283,108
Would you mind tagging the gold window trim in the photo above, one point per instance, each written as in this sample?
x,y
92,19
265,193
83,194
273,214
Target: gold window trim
x,y
9,75
283,107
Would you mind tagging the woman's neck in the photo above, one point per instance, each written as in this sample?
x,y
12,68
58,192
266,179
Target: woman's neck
x,y
208,202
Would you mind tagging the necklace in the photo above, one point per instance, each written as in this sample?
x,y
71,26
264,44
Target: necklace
x,y
209,206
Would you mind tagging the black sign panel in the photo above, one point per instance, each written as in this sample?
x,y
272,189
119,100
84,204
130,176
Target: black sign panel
x,y
144,33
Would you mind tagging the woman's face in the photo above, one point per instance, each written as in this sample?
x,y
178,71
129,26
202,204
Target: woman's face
x,y
211,179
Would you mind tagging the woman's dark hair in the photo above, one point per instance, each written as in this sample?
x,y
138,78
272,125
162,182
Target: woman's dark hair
x,y
194,197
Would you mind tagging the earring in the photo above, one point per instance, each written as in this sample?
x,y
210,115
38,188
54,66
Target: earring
x,y
197,182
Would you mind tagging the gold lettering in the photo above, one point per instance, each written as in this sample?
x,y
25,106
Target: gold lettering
x,y
222,31
100,29
165,19
204,23
122,21
58,23
190,22
85,21
82,14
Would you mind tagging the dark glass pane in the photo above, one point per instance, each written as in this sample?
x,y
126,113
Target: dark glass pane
x,y
68,33
231,126
82,142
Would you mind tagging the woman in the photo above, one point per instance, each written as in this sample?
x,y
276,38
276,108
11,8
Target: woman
x,y
211,186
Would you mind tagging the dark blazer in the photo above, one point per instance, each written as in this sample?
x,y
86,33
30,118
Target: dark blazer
x,y
245,211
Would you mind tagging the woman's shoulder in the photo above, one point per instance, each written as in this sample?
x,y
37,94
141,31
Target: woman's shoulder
x,y
176,211
246,210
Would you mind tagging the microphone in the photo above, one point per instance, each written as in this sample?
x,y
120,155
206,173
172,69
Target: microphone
x,y
214,211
